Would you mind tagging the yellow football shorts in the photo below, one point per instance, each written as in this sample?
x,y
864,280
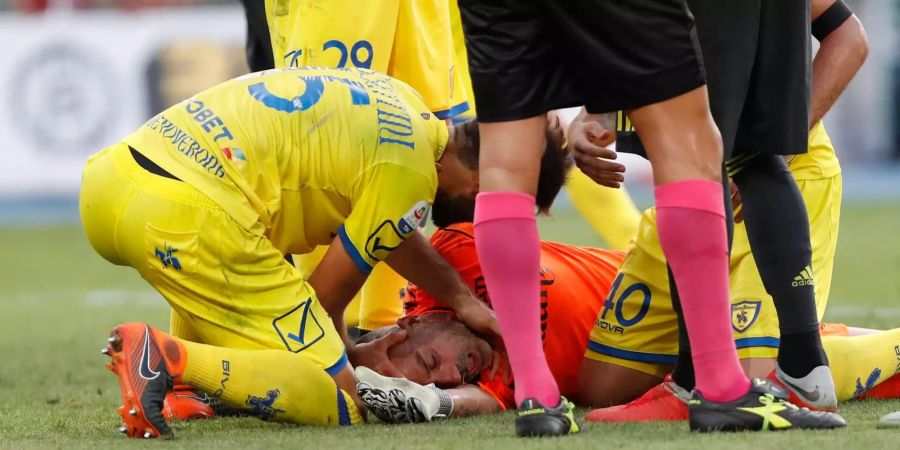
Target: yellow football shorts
x,y
636,326
228,286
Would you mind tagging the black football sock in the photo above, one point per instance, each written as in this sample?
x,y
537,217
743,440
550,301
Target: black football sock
x,y
778,230
683,372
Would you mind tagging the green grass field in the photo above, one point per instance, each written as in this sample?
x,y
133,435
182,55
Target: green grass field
x,y
59,300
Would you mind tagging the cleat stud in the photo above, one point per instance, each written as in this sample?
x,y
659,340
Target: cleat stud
x,y
147,435
132,411
104,350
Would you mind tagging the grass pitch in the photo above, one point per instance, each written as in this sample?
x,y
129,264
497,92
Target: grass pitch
x,y
59,300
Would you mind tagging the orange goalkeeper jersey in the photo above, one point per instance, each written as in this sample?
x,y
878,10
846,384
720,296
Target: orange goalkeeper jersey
x,y
574,283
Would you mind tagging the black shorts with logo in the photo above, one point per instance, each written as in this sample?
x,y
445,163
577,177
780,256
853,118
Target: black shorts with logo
x,y
530,56
757,55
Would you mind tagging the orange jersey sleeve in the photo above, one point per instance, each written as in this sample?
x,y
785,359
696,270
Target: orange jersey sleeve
x,y
456,244
574,283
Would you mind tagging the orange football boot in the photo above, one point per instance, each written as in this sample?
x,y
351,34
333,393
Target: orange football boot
x,y
147,363
665,401
186,403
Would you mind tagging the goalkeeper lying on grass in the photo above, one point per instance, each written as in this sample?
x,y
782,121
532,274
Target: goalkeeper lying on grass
x,y
580,290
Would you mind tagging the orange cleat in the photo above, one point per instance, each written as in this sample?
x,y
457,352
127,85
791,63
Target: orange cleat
x,y
187,403
145,373
665,401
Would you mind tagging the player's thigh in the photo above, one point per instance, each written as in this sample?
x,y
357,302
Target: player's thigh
x,y
231,287
823,204
637,327
681,138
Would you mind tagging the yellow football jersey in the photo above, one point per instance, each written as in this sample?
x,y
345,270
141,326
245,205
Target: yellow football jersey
x,y
302,155
409,40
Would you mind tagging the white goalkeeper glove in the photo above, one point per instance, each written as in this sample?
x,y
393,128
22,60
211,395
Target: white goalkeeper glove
x,y
398,400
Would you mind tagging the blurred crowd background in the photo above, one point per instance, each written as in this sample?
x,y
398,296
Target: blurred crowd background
x,y
77,75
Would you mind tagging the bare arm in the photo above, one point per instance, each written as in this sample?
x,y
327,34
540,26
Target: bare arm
x,y
840,56
336,280
470,400
417,261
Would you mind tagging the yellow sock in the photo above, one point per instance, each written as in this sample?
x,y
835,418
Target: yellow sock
x,y
380,304
271,384
859,363
180,328
610,212
308,262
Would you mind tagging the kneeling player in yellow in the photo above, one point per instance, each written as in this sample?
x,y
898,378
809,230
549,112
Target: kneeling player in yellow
x,y
207,197
408,40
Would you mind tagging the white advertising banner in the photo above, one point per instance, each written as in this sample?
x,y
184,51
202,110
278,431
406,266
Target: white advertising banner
x,y
72,83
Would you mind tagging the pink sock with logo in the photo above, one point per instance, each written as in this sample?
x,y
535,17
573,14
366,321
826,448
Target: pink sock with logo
x,y
691,223
508,246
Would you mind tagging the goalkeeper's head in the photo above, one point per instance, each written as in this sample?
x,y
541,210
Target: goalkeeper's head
x,y
458,173
438,349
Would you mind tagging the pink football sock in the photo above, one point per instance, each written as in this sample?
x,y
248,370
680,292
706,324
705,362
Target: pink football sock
x,y
691,223
508,246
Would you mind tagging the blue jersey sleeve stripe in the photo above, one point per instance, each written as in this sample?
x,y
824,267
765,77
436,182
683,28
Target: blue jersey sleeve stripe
x,y
757,342
343,412
337,366
656,358
351,250
448,113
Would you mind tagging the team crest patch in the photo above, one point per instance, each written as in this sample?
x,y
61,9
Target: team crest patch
x,y
262,407
299,328
414,218
167,257
744,314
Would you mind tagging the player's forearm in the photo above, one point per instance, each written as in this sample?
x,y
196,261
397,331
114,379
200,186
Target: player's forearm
x,y
840,56
470,400
417,261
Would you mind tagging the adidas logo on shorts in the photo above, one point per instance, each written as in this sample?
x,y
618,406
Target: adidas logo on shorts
x,y
804,279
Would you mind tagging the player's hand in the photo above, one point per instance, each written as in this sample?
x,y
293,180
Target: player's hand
x,y
374,354
588,141
736,203
477,316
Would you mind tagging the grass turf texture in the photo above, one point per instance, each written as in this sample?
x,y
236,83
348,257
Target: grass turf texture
x,y
60,299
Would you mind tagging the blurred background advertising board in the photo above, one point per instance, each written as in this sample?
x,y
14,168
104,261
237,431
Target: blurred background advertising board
x,y
72,83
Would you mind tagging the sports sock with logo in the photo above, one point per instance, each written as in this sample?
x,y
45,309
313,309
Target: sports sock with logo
x,y
861,363
508,246
778,230
271,384
691,226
